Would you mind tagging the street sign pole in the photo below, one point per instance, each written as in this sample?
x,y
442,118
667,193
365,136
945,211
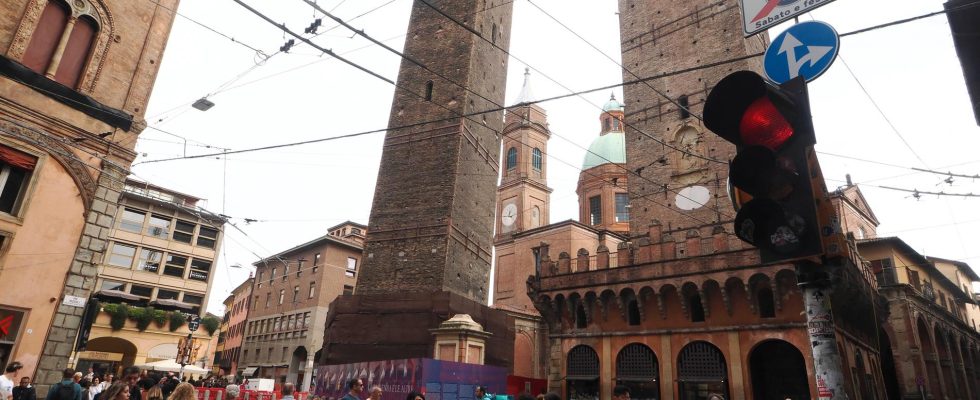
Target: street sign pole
x,y
814,280
193,321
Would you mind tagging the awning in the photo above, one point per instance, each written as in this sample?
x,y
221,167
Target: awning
x,y
109,295
171,305
581,377
250,371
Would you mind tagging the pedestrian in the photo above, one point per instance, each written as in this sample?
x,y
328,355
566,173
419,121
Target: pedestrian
x,y
95,388
25,391
356,386
183,391
118,391
7,380
621,392
155,393
413,395
231,392
67,389
109,378
375,393
90,375
130,376
77,377
287,391
481,393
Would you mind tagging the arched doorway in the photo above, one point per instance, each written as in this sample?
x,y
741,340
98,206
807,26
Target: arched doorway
x,y
778,371
929,355
889,375
701,372
297,366
582,373
637,367
114,353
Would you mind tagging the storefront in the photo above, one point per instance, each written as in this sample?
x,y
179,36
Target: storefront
x,y
10,325
101,362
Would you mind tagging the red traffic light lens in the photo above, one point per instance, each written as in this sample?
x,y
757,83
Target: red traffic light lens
x,y
763,125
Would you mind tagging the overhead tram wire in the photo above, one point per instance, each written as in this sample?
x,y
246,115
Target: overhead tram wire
x,y
657,91
224,86
372,73
628,171
423,66
175,12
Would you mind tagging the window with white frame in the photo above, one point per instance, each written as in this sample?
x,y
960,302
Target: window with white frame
x,y
121,255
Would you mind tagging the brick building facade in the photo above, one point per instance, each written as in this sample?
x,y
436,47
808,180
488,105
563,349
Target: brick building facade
x,y
75,78
290,297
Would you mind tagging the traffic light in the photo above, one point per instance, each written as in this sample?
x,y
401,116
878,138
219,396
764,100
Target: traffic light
x,y
771,176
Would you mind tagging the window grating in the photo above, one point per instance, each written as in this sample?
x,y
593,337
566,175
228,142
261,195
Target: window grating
x,y
583,363
702,362
636,362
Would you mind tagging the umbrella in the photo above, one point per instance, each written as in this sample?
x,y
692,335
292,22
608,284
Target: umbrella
x,y
172,366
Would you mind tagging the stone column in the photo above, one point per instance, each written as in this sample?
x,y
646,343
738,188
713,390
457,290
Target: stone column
x,y
307,373
81,277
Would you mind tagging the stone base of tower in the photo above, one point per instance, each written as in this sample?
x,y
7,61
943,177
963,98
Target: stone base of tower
x,y
397,326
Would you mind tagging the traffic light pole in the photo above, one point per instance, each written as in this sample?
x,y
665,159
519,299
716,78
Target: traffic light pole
x,y
814,280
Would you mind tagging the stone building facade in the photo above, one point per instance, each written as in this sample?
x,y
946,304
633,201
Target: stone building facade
x,y
75,78
524,188
237,316
681,309
290,296
160,253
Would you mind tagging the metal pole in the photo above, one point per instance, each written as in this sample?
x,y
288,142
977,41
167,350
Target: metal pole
x,y
187,354
815,282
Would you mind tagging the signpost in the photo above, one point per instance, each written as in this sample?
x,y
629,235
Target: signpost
x,y
806,49
186,349
760,15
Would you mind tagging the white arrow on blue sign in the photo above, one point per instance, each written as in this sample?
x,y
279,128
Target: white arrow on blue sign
x,y
806,49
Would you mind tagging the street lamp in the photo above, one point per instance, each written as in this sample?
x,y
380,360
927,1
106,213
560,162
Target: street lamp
x,y
193,321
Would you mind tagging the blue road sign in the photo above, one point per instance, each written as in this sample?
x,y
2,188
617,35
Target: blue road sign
x,y
806,49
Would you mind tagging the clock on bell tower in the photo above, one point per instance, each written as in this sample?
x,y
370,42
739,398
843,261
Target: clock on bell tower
x,y
523,194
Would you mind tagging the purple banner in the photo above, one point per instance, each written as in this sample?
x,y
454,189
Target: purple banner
x,y
439,380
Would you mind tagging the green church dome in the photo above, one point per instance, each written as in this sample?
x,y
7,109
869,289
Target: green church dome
x,y
613,104
608,148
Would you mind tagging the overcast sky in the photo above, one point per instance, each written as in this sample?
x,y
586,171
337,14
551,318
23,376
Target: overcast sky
x,y
910,71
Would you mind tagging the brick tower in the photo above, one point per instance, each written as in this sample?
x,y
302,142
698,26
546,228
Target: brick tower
x,y
432,219
427,254
682,189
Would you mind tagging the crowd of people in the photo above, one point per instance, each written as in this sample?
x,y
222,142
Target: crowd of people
x,y
134,384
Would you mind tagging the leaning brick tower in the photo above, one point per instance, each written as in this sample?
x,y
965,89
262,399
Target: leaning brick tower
x,y
427,254
682,189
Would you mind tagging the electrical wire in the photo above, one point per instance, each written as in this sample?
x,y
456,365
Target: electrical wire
x,y
172,11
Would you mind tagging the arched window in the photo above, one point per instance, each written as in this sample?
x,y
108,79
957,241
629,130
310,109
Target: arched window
x,y
767,308
581,320
697,310
701,369
582,371
634,313
511,158
536,159
61,45
617,125
607,124
428,91
47,34
637,368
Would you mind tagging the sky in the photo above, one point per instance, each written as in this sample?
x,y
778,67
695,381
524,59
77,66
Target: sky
x,y
894,100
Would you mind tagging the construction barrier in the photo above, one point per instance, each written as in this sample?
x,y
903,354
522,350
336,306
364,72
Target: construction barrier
x,y
204,393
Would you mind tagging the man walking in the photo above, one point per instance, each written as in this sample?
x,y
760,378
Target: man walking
x,y
25,391
67,389
481,393
287,391
356,387
7,380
